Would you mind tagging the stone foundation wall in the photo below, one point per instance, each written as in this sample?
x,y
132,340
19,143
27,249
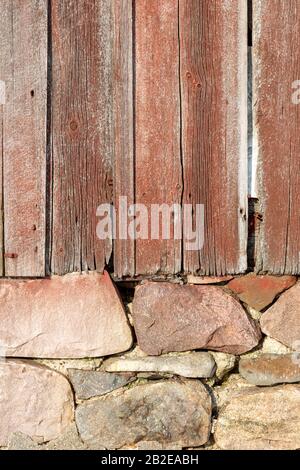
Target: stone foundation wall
x,y
205,363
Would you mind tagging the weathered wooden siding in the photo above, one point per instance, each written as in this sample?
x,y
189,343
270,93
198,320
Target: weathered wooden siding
x,y
81,131
276,132
23,69
213,45
145,100
190,102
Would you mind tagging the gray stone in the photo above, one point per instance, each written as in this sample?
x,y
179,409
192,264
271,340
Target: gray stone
x,y
89,383
270,369
261,419
192,365
20,441
170,412
69,440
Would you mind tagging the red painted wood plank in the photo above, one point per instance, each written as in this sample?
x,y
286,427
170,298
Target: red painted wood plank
x,y
213,45
2,100
158,172
23,69
124,247
276,56
81,131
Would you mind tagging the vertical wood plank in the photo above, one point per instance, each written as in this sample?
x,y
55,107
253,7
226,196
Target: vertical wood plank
x,y
81,131
158,172
276,56
2,100
213,45
23,69
124,248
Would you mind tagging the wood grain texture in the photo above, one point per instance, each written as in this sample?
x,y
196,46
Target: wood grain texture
x,y
81,131
276,66
23,68
213,69
124,248
158,172
2,99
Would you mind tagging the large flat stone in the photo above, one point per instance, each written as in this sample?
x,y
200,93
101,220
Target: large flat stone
x,y
270,369
282,320
171,317
261,419
73,316
93,383
260,291
175,413
34,400
192,365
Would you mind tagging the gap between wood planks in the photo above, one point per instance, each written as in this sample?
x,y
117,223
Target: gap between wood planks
x,y
254,216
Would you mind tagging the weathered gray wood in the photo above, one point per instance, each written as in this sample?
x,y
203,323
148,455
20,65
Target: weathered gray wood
x,y
23,69
81,131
